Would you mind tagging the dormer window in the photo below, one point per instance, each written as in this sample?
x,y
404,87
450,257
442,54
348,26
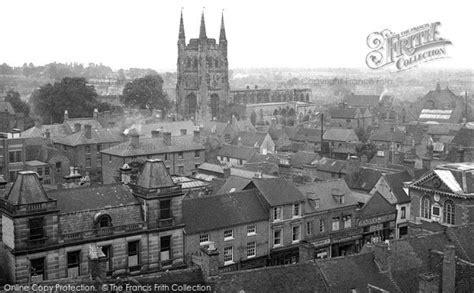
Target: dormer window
x,y
103,220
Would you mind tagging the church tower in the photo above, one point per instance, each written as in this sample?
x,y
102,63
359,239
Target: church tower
x,y
202,89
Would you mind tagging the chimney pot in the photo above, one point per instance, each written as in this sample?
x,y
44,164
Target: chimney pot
x,y
183,131
96,114
155,133
66,115
77,127
135,140
197,136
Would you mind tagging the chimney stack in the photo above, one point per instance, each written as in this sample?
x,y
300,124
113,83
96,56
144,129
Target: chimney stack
x,y
66,115
96,114
155,133
167,138
183,131
210,260
77,127
197,136
88,131
449,269
426,163
226,172
135,140
47,134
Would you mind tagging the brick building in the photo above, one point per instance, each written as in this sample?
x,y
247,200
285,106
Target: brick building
x,y
181,154
48,236
236,224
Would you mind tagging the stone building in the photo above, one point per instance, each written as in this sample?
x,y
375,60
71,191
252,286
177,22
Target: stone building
x,y
444,195
48,236
202,90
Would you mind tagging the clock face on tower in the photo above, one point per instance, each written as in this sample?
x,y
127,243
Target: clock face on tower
x,y
436,183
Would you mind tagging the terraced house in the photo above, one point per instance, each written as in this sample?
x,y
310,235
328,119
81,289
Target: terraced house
x,y
48,236
181,154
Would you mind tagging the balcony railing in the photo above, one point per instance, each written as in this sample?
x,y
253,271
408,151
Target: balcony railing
x,y
163,223
99,232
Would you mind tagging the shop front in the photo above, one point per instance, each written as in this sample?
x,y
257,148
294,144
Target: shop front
x,y
284,256
322,248
346,245
377,229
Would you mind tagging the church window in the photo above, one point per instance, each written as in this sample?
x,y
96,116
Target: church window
x,y
425,207
448,212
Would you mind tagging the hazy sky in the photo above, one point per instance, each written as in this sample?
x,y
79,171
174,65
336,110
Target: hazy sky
x,y
143,33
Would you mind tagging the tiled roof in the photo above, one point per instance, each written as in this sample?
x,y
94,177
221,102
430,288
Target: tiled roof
x,y
395,182
233,183
343,113
277,191
6,107
377,206
55,130
264,167
301,158
237,152
173,127
362,100
308,134
221,211
92,197
98,135
301,277
323,191
342,274
388,136
340,134
211,167
247,174
150,146
443,129
464,138
250,138
26,190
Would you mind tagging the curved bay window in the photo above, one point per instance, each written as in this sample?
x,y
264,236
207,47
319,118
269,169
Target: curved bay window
x,y
426,207
448,212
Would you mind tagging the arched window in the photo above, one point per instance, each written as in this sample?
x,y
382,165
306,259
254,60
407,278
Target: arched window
x,y
448,212
425,207
103,220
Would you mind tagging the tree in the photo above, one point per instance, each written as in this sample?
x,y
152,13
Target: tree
x,y
13,97
253,118
146,93
72,94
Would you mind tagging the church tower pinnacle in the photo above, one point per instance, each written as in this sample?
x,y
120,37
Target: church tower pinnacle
x,y
222,36
202,29
181,28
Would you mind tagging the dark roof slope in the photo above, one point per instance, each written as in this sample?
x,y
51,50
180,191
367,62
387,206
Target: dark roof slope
x,y
377,206
303,277
221,211
154,175
92,197
150,146
307,134
236,183
237,152
388,136
98,135
464,137
343,113
27,189
395,182
365,180
250,138
354,272
277,191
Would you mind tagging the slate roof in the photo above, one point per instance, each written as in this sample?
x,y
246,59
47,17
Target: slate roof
x,y
83,121
388,136
354,272
221,211
301,158
55,130
277,191
340,134
98,135
301,277
237,152
443,129
211,167
26,190
365,179
250,138
395,182
150,146
322,191
154,175
362,100
92,197
343,113
377,206
331,165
